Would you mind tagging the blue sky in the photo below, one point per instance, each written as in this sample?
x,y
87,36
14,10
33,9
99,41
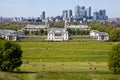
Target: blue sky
x,y
33,8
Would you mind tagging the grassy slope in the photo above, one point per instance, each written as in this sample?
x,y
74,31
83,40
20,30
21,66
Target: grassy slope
x,y
66,61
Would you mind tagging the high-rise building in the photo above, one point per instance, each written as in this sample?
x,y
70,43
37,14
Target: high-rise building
x,y
77,11
102,15
95,16
88,12
65,14
43,15
69,13
102,12
82,12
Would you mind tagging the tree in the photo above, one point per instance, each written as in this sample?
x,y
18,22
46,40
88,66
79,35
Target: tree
x,y
26,32
114,59
10,56
115,35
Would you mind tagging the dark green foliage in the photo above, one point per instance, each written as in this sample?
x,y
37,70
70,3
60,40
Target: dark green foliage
x,y
114,59
115,35
26,32
40,32
10,56
57,24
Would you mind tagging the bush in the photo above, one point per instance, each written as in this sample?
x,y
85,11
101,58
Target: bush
x,y
114,59
10,56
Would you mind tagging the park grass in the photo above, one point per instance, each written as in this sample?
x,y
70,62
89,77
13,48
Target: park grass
x,y
65,51
8,76
65,61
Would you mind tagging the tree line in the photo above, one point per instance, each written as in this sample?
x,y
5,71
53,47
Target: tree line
x,y
40,32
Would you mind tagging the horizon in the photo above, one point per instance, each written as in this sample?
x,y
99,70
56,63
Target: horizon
x,y
31,8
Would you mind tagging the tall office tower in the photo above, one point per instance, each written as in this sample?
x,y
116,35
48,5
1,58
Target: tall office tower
x,y
43,15
88,12
95,16
102,14
65,14
82,12
77,11
69,13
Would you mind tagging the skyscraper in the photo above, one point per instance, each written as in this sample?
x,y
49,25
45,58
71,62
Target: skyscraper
x,y
82,12
77,11
95,16
102,15
43,15
88,12
69,13
65,14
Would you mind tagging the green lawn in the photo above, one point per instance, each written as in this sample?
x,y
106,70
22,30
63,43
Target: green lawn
x,y
65,61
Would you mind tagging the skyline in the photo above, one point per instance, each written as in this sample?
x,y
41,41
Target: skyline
x,y
31,8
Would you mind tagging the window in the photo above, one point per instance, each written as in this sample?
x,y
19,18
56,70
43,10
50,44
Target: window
x,y
58,34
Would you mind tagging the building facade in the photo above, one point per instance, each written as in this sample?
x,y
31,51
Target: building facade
x,y
10,35
31,28
102,36
57,34
43,15
80,27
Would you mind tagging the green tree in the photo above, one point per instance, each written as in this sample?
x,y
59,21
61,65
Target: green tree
x,y
114,59
10,56
26,32
115,35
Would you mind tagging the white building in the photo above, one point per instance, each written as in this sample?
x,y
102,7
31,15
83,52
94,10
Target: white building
x,y
11,37
11,34
57,34
94,33
80,27
103,36
30,27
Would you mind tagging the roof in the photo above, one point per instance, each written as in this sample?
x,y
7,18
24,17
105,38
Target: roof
x,y
35,26
94,31
103,34
57,30
79,26
99,33
7,31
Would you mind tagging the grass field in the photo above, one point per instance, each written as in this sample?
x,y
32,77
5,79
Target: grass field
x,y
85,60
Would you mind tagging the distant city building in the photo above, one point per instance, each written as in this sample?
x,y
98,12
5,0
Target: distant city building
x,y
101,15
51,19
77,11
65,14
43,15
82,12
95,16
88,12
69,13
58,19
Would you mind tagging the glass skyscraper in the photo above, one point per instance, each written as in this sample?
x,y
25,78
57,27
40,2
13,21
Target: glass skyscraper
x,y
43,15
77,11
88,12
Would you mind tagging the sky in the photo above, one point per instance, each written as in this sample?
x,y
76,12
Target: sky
x,y
33,8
